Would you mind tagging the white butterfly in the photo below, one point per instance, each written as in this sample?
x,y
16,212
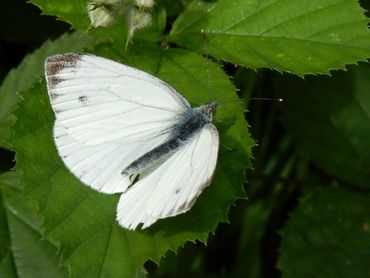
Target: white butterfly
x,y
114,122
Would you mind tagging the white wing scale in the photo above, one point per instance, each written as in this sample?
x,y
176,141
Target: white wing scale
x,y
107,116
174,186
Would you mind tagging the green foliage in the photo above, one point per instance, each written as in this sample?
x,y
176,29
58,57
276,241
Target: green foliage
x,y
302,37
23,253
339,109
324,142
327,235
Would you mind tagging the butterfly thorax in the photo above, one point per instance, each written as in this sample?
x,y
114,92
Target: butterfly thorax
x,y
209,109
193,121
187,125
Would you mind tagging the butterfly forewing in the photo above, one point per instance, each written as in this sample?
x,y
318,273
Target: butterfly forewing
x,y
107,116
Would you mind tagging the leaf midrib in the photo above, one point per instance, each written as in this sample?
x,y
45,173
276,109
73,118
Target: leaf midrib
x,y
287,38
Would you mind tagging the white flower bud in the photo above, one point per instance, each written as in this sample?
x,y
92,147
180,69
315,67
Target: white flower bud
x,y
144,3
137,20
100,16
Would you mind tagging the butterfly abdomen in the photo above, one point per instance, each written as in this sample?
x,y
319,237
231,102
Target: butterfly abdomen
x,y
188,126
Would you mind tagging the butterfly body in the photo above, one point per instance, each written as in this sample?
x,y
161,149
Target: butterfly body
x,y
114,122
189,123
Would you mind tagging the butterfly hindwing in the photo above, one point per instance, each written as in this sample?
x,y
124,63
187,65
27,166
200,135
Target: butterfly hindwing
x,y
174,186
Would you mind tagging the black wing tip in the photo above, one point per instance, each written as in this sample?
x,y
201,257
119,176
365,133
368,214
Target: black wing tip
x,y
54,64
69,57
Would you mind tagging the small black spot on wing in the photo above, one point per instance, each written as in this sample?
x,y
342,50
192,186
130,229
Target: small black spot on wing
x,y
82,99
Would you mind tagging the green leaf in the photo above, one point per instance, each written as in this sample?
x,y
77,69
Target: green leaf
x,y
328,235
82,221
7,267
31,67
22,252
328,119
73,12
302,37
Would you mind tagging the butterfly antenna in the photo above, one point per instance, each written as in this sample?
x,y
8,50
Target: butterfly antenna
x,y
267,99
209,87
243,100
225,101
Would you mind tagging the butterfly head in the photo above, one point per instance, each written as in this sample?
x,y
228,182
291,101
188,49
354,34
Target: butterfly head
x,y
209,109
